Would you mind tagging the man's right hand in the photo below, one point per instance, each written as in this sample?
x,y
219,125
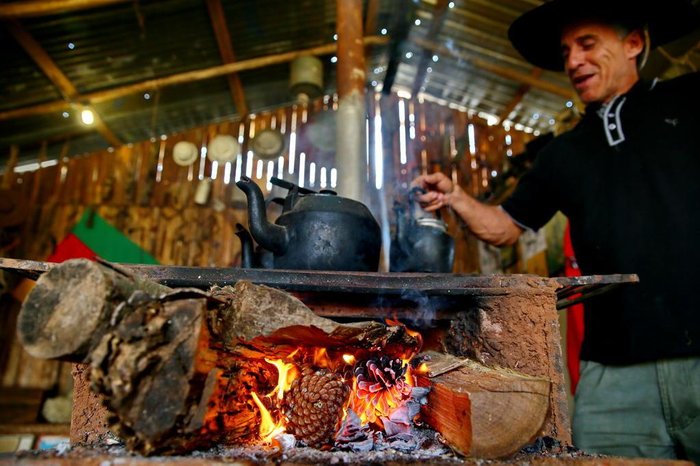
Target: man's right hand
x,y
440,191
488,223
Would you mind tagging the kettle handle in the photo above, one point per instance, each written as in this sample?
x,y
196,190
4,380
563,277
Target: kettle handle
x,y
290,186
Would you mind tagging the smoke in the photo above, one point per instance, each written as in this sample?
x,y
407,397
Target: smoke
x,y
424,313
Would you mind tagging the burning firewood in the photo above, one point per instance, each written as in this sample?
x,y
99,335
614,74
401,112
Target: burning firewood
x,y
178,368
184,369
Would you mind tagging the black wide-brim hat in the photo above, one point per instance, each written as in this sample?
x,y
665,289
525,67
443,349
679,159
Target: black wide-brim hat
x,y
537,33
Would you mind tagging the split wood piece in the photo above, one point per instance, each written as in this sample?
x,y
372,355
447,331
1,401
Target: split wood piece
x,y
483,412
73,304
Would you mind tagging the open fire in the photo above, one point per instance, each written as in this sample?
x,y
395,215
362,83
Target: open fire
x,y
318,394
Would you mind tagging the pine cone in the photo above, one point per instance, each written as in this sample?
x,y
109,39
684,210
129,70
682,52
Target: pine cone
x,y
314,406
380,381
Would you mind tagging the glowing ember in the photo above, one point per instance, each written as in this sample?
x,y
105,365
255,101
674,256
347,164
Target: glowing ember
x,y
349,359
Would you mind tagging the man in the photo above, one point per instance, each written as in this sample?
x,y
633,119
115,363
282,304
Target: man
x,y
627,176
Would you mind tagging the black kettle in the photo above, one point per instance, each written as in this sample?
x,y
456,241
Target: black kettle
x,y
420,242
316,230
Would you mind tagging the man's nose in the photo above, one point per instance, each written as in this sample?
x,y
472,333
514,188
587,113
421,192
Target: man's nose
x,y
574,59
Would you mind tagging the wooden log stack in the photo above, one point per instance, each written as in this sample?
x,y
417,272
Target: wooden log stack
x,y
176,368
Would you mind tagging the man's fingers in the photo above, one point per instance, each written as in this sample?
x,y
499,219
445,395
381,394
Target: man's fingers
x,y
428,197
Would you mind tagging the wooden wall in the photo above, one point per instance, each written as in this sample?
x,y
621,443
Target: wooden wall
x,y
142,192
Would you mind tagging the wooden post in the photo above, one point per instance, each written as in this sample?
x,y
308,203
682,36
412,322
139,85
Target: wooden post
x,y
350,133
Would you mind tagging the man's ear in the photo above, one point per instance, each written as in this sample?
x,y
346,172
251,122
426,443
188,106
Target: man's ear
x,y
634,44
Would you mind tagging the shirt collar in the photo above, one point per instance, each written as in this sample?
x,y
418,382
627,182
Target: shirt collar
x,y
641,86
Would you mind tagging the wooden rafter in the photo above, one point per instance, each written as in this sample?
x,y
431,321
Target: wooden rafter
x,y
519,95
399,34
371,16
223,38
56,76
30,8
182,78
435,25
498,70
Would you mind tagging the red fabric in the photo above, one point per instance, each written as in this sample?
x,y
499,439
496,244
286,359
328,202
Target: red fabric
x,y
71,248
574,316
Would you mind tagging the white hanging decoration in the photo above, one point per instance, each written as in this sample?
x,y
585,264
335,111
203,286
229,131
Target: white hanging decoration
x,y
185,153
223,148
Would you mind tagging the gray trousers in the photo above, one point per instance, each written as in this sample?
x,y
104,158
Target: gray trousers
x,y
643,410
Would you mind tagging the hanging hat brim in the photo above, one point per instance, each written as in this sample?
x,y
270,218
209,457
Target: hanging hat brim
x,y
536,34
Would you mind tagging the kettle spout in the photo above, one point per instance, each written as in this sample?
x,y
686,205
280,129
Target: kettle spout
x,y
268,235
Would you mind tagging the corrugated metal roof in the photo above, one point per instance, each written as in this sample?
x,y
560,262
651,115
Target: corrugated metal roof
x,y
125,43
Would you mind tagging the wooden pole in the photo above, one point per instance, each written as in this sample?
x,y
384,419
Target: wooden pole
x,y
351,53
182,78
350,132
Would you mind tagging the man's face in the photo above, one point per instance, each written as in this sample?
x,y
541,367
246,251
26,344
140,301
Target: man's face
x,y
599,63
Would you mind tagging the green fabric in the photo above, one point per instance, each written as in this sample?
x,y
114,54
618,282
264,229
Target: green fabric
x,y
644,410
108,242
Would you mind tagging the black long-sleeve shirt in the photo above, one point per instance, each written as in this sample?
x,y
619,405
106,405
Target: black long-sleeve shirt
x,y
628,178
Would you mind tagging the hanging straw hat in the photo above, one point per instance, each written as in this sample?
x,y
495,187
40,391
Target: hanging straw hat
x,y
537,33
185,153
223,148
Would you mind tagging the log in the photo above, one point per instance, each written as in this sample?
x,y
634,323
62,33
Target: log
x,y
483,412
73,304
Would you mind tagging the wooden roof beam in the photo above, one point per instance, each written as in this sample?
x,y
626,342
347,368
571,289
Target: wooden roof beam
x,y
29,8
371,14
223,38
519,95
56,76
182,78
399,34
499,70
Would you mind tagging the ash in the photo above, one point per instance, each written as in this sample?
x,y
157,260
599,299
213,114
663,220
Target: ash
x,y
424,445
430,450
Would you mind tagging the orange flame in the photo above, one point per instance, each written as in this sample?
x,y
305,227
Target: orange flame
x,y
422,369
349,359
268,428
287,372
371,406
321,358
